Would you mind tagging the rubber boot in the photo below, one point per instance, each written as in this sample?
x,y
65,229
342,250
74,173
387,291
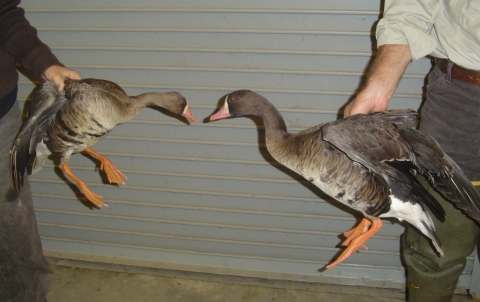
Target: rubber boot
x,y
431,278
429,285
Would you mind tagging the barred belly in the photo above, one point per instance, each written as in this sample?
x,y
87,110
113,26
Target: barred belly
x,y
76,134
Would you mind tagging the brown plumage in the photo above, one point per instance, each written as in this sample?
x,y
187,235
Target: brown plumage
x,y
367,162
63,124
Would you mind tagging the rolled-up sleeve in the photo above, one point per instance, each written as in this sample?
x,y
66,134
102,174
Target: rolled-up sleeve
x,y
409,22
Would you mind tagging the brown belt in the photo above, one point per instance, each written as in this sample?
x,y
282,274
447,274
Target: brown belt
x,y
459,73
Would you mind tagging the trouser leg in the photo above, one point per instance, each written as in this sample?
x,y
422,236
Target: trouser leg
x,y
451,115
431,278
24,272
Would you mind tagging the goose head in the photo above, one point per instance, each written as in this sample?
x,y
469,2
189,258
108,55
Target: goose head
x,y
246,102
240,103
171,101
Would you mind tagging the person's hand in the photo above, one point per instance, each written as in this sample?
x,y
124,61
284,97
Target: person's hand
x,y
382,80
369,100
57,74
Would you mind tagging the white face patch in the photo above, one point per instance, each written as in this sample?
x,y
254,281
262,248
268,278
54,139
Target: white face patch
x,y
186,109
225,106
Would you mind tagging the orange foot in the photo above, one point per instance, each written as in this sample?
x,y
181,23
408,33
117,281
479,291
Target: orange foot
x,y
356,243
94,198
361,228
113,174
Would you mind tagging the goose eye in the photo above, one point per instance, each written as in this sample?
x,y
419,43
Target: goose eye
x,y
231,100
183,103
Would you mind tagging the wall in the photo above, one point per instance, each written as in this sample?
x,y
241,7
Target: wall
x,y
208,197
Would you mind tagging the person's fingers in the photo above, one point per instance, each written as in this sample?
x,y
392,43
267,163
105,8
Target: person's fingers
x,y
74,75
60,82
58,74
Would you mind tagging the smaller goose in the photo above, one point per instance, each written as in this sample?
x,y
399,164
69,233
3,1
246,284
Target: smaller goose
x,y
63,124
367,162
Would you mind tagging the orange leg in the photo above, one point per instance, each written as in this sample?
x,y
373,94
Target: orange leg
x,y
94,198
113,174
361,228
357,243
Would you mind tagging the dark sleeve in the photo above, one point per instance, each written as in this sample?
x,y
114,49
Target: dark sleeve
x,y
19,39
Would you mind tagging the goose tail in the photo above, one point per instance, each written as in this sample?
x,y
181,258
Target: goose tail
x,y
426,226
430,233
415,214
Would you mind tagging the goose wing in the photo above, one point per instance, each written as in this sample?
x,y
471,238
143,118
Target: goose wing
x,y
374,142
383,141
443,173
370,141
91,85
401,118
45,105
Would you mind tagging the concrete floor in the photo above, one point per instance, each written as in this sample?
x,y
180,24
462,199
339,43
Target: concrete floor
x,y
82,282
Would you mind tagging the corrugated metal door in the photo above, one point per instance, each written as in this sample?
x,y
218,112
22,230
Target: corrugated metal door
x,y
208,197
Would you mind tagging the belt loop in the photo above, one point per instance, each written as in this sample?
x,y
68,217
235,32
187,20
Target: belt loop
x,y
449,71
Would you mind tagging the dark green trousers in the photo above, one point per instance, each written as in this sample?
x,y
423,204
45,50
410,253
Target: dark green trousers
x,y
431,278
451,114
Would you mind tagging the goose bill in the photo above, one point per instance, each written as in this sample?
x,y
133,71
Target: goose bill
x,y
187,113
222,113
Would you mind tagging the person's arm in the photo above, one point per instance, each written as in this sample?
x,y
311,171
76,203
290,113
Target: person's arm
x,y
20,40
382,79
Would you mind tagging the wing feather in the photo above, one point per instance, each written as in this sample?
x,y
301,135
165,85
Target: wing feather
x,y
45,104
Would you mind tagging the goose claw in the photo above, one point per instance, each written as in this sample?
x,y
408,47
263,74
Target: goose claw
x,y
94,198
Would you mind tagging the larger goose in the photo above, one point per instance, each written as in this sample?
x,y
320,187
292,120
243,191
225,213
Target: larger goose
x,y
63,124
368,163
